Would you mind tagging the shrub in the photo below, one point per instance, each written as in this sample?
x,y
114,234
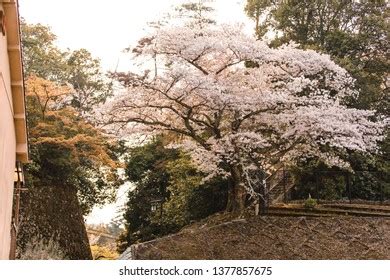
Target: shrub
x,y
103,253
310,203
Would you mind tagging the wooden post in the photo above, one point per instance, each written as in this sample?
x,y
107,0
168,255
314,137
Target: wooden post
x,y
317,186
284,186
349,188
382,194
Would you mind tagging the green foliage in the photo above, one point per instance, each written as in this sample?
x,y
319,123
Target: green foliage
x,y
73,165
319,181
257,11
374,179
42,58
198,12
90,85
356,35
66,150
310,203
159,173
332,183
189,198
73,168
146,168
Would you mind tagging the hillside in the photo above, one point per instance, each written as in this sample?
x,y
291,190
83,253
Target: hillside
x,y
271,237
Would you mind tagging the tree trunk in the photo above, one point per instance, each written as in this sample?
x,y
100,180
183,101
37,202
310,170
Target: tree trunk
x,y
237,192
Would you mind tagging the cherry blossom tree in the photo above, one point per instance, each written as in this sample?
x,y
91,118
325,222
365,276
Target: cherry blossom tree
x,y
238,121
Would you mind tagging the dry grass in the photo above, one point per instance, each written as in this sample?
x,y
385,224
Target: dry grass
x,y
39,249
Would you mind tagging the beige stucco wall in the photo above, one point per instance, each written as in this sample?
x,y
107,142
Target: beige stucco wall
x,y
7,149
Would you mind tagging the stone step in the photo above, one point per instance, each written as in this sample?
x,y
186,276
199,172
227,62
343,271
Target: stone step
x,y
297,214
276,210
370,208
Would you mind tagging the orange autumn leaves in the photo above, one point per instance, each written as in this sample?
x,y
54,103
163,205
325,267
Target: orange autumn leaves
x,y
53,122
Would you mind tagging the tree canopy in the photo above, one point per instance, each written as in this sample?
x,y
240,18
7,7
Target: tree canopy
x,y
238,121
354,33
66,149
78,69
73,164
356,36
166,179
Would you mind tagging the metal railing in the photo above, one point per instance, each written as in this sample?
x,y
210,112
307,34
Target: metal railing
x,y
329,185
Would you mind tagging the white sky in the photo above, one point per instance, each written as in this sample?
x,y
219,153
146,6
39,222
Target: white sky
x,y
105,214
107,27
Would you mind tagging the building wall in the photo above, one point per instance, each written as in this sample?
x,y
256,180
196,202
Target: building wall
x,y
7,149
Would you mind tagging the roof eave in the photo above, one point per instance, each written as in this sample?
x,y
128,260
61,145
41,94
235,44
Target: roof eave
x,y
17,80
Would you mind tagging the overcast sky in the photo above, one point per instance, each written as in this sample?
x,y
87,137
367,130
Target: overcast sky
x,y
105,28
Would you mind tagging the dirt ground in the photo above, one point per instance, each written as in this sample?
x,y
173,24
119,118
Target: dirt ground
x,y
275,238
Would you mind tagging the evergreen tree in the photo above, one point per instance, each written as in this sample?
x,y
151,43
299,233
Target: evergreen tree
x,y
166,179
73,165
356,35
